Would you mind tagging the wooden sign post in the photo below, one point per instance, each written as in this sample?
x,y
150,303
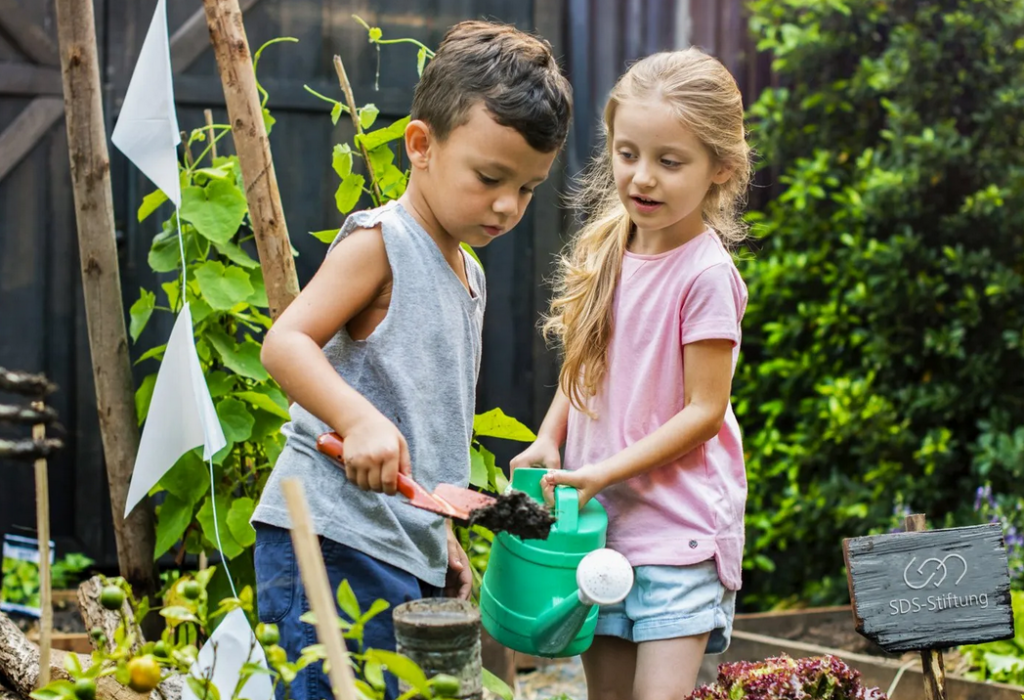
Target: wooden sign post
x,y
928,590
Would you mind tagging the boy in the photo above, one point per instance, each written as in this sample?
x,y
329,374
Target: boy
x,y
383,344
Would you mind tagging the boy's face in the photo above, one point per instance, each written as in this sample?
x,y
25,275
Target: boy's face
x,y
479,181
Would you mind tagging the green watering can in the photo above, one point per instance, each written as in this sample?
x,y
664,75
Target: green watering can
x,y
540,597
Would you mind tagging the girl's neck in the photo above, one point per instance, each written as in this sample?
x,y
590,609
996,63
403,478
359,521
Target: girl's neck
x,y
657,241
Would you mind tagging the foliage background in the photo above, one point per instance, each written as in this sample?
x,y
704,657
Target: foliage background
x,y
883,343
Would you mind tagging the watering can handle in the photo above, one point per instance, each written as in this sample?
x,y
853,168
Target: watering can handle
x,y
567,508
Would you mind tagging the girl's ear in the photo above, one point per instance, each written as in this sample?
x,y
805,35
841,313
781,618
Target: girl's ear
x,y
418,139
722,175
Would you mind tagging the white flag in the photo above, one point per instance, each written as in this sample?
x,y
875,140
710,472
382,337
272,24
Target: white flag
x,y
230,646
147,128
181,414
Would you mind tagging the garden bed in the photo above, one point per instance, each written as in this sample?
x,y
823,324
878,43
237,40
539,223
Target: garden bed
x,y
819,631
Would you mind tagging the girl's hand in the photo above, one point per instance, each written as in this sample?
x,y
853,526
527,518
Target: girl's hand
x,y
375,452
459,581
542,453
587,480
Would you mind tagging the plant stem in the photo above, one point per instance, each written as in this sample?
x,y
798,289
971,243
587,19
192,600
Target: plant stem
x,y
346,88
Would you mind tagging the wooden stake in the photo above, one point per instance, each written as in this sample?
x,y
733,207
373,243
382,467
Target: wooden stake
x,y
210,133
43,535
931,659
108,340
318,590
230,44
350,99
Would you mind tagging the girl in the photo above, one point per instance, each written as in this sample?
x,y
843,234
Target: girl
x,y
647,312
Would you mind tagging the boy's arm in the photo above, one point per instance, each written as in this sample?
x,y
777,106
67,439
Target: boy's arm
x,y
707,377
351,277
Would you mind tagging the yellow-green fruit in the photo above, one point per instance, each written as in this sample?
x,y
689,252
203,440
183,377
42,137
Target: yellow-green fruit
x,y
111,597
267,634
143,674
192,590
160,650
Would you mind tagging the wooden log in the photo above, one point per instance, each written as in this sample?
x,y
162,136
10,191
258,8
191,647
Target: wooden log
x,y
231,46
25,414
34,385
95,615
29,449
19,669
8,694
108,339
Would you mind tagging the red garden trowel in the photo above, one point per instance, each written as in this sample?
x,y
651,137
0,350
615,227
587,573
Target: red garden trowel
x,y
447,500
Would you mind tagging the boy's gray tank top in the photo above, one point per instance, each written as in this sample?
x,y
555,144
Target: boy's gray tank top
x,y
419,368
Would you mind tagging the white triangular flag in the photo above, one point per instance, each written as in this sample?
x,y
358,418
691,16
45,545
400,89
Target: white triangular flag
x,y
181,414
229,648
147,128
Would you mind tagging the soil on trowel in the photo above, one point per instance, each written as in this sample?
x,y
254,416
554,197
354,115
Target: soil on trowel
x,y
517,514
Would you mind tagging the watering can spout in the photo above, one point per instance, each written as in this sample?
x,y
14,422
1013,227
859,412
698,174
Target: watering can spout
x,y
557,627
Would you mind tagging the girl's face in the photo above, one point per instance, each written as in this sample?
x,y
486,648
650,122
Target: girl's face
x,y
662,171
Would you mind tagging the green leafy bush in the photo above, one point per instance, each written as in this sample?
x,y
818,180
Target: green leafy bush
x,y
884,337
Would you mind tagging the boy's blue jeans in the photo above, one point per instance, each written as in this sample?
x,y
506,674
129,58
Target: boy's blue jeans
x,y
281,599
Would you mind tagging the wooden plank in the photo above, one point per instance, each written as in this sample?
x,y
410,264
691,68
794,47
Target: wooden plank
x,y
18,27
875,671
192,38
28,79
933,589
20,137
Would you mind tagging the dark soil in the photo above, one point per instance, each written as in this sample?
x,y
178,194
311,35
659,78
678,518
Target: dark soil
x,y
66,618
517,514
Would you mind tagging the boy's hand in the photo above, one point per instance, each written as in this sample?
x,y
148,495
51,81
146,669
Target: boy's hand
x,y
588,480
542,453
459,583
375,452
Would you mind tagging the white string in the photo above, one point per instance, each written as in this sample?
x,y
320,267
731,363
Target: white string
x,y
899,674
213,487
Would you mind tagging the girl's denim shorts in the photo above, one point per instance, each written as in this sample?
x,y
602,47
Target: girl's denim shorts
x,y
668,602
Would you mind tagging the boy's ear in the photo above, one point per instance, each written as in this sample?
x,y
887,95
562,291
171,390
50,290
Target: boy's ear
x,y
418,139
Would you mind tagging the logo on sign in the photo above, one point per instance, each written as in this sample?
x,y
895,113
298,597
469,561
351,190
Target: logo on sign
x,y
939,566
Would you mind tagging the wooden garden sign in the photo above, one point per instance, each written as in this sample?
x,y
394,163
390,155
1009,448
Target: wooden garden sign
x,y
930,589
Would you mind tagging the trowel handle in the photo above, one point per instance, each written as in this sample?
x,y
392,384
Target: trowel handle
x,y
332,445
567,509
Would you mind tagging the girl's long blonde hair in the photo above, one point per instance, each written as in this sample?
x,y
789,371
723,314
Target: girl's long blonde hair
x,y
706,100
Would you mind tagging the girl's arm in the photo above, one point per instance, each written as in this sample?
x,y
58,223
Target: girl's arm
x,y
707,377
544,451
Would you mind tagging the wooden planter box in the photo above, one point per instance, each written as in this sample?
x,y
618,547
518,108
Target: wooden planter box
x,y
65,641
819,631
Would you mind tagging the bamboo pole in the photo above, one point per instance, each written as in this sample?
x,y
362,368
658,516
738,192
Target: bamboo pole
x,y
108,340
318,590
43,535
227,34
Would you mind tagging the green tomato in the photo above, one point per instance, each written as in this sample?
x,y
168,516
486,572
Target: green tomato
x,y
112,598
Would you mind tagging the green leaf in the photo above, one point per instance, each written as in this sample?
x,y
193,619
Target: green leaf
x,y
421,60
376,138
495,423
157,352
380,158
477,469
497,686
220,383
235,419
203,688
348,193
347,601
216,210
326,236
241,358
172,290
368,115
178,614
335,112
164,251
172,519
143,395
54,690
268,120
238,521
140,312
150,203
402,667
265,402
341,160
189,479
223,287
236,254
259,289
375,34
230,547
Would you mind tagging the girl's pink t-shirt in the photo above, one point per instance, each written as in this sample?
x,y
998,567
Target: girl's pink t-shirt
x,y
689,510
